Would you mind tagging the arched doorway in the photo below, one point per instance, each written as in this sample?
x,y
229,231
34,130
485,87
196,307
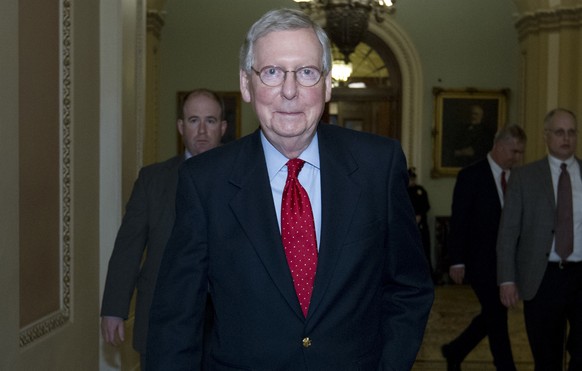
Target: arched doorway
x,y
371,99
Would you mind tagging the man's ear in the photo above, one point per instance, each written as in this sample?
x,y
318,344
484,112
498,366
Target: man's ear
x,y
223,126
328,86
244,86
180,126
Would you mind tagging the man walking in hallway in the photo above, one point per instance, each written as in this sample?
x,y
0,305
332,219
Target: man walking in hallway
x,y
477,204
540,246
148,220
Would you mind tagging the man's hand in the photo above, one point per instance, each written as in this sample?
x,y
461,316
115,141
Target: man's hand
x,y
508,294
112,330
457,273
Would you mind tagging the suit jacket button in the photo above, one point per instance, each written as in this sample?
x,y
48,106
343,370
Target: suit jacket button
x,y
306,342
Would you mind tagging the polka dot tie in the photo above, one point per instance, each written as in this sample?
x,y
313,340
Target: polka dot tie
x,y
298,234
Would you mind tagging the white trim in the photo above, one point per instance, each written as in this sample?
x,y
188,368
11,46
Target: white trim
x,y
110,149
411,71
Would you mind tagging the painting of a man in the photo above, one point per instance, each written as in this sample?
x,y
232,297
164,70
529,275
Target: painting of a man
x,y
468,131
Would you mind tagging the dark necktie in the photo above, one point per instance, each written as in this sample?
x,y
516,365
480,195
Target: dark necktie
x,y
298,234
564,219
503,182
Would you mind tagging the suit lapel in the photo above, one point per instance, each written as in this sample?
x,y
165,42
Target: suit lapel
x,y
165,199
543,167
339,198
172,169
254,202
490,185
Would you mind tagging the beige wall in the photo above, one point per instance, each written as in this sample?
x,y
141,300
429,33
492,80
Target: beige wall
x,y
9,283
121,136
66,339
88,178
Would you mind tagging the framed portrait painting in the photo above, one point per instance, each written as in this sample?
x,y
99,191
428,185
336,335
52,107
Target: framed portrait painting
x,y
232,114
465,124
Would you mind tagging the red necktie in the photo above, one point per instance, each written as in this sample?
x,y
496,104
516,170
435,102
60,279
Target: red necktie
x,y
298,234
564,216
503,182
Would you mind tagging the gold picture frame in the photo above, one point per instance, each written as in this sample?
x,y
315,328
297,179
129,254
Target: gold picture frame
x,y
465,124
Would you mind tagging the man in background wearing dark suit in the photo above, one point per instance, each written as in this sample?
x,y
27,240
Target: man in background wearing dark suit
x,y
419,199
477,203
365,293
539,248
148,220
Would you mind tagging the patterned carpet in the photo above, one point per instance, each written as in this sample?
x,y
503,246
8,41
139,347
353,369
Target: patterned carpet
x,y
453,309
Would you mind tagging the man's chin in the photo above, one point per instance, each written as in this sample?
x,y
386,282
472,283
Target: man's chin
x,y
202,147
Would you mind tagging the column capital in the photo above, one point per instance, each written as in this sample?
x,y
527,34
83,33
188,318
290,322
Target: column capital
x,y
549,20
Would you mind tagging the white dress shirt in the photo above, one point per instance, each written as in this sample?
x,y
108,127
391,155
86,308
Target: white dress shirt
x,y
497,170
574,170
309,177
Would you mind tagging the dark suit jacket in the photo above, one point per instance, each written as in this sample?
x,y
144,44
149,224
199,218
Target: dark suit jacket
x,y
476,211
526,232
372,292
148,220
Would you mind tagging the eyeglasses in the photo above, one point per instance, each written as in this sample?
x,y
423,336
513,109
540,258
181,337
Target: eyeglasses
x,y
274,76
561,133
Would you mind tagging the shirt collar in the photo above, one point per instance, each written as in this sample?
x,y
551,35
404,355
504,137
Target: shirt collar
x,y
554,161
494,165
276,161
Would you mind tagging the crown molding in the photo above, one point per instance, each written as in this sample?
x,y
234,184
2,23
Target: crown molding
x,y
548,20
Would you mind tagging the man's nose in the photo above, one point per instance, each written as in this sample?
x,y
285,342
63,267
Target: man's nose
x,y
202,127
289,88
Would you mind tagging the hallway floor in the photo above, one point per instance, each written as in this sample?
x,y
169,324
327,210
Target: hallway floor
x,y
453,309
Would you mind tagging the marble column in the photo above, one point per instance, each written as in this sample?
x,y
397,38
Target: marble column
x,y
550,39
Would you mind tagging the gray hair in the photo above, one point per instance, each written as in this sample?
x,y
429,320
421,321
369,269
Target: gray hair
x,y
510,132
282,20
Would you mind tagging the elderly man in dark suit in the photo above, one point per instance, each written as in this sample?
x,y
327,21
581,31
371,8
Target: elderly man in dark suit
x,y
476,210
148,220
540,246
345,285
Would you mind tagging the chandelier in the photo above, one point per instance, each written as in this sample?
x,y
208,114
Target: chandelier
x,y
341,71
346,21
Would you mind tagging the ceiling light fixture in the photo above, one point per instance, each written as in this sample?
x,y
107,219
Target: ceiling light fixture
x,y
341,70
347,20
